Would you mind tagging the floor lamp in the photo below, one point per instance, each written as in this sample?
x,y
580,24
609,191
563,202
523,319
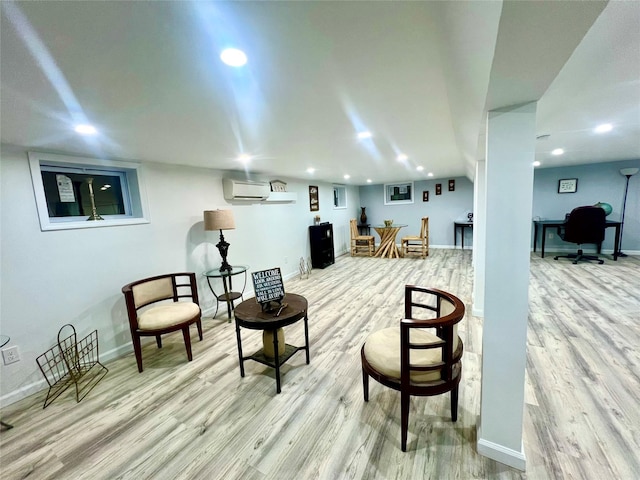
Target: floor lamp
x,y
627,172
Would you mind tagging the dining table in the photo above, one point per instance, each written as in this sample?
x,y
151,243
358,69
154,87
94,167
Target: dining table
x,y
388,234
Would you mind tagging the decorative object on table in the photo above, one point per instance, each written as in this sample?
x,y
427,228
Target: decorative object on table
x,y
314,203
417,244
268,288
316,220
470,217
606,207
363,216
421,355
425,196
71,362
388,223
177,308
220,220
452,185
627,172
278,186
360,243
94,213
568,185
438,189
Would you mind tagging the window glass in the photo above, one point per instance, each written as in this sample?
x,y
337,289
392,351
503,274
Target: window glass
x,y
68,189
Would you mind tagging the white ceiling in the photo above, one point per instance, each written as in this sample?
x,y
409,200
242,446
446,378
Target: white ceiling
x,y
419,75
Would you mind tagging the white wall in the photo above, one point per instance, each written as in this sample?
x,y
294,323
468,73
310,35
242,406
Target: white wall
x,y
52,278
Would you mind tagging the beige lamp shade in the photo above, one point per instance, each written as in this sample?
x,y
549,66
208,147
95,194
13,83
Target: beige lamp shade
x,y
219,220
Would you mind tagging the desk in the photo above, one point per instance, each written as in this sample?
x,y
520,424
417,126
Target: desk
x,y
461,226
229,295
387,247
545,224
4,339
249,314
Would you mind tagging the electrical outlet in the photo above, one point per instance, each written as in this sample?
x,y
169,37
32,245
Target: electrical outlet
x,y
10,355
549,235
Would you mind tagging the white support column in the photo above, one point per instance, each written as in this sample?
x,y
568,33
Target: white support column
x,y
479,237
509,184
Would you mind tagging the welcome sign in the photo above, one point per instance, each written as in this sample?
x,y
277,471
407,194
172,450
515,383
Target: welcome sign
x,y
268,286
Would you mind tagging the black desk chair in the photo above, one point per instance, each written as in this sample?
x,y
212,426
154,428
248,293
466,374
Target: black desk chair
x,y
583,225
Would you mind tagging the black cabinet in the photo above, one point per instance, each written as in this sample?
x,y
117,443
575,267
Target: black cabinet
x,y
321,237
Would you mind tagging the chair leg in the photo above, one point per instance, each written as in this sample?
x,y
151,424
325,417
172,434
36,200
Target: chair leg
x,y
404,418
159,341
199,326
365,385
137,349
454,404
187,342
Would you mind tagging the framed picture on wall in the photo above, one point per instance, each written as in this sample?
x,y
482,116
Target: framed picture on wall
x,y
425,196
568,185
398,193
314,204
438,189
452,185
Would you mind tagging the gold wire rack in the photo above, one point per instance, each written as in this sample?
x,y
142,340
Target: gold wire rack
x,y
71,362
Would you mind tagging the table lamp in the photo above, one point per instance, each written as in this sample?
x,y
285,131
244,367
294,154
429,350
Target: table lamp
x,y
627,172
220,220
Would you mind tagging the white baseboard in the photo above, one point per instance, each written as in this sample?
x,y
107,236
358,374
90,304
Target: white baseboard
x,y
500,453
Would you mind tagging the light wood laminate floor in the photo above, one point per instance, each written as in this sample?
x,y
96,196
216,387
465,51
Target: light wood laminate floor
x,y
201,420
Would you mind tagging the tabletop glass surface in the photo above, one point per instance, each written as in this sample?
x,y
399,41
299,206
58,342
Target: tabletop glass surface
x,y
236,269
395,225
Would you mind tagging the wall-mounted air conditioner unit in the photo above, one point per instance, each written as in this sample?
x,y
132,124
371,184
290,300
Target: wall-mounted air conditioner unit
x,y
244,189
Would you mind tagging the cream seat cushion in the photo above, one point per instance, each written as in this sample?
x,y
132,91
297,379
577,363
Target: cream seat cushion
x,y
382,351
164,316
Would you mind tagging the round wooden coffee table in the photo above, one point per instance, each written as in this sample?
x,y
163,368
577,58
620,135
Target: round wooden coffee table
x,y
249,314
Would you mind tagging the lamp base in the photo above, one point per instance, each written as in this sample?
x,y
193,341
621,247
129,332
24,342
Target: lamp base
x,y
223,247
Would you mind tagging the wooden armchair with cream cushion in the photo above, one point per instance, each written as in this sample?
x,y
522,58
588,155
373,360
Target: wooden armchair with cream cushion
x,y
162,304
421,355
360,243
417,244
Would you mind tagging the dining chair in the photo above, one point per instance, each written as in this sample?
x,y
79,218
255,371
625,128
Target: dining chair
x,y
417,244
162,304
360,243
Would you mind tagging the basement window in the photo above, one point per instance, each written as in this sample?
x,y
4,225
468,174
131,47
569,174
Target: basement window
x,y
74,192
339,197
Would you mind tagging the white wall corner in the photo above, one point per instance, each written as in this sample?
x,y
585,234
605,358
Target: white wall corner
x,y
500,453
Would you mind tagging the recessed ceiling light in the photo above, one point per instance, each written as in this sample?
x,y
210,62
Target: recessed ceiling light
x,y
401,157
605,127
557,151
430,174
347,177
86,129
368,180
233,57
365,134
420,168
244,158
536,163
311,170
